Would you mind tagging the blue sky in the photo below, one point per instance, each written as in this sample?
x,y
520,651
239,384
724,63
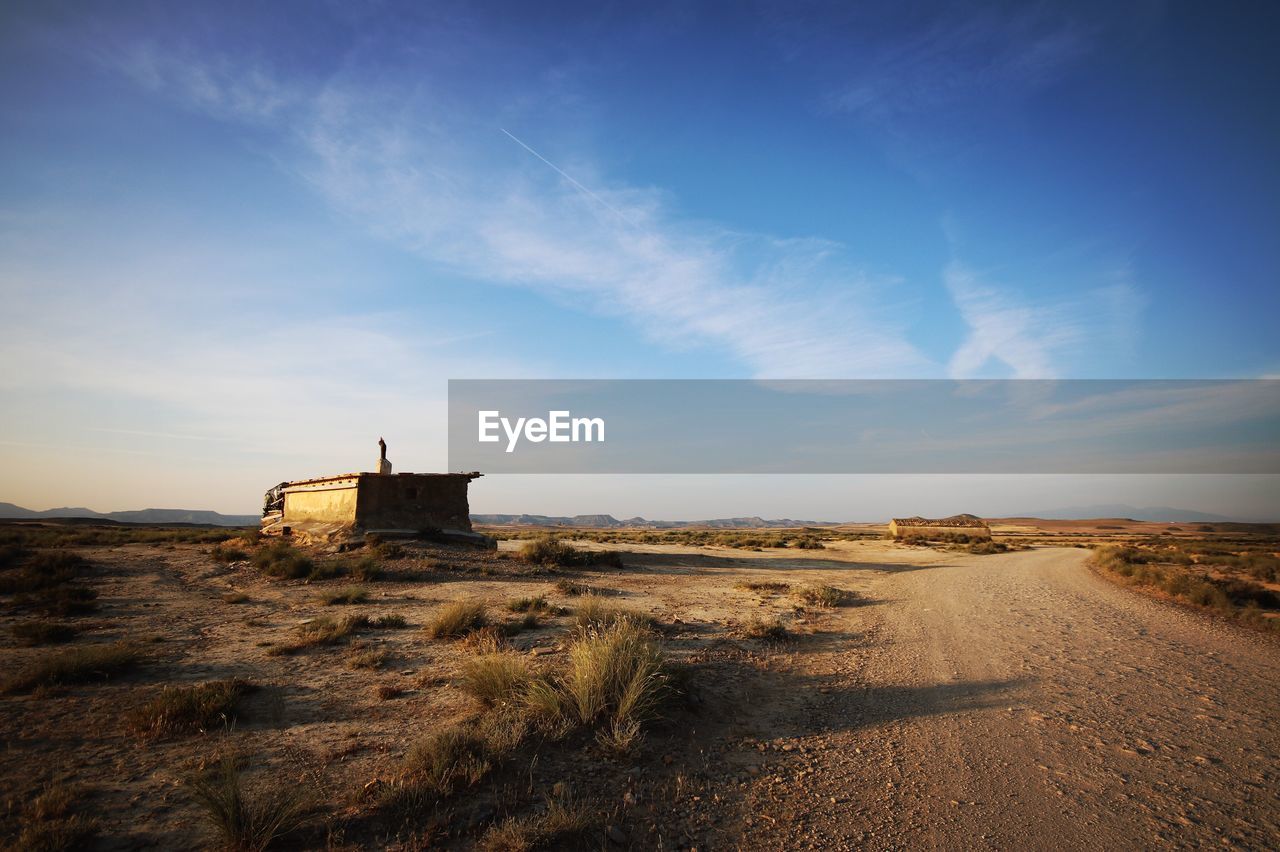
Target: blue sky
x,y
238,243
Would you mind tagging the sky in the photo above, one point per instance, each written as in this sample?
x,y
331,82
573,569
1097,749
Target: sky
x,y
240,242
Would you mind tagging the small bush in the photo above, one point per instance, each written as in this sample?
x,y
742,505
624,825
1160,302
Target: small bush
x,y
64,601
364,657
391,621
10,554
386,692
323,631
449,760
366,570
43,632
390,550
49,822
552,552
988,547
190,709
564,824
535,604
76,665
346,595
827,596
457,619
495,678
223,553
281,561
42,572
244,820
594,613
771,631
762,586
615,673
571,589
807,542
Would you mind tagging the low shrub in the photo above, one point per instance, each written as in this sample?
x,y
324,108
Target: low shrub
x,y
345,595
827,596
457,619
564,824
770,631
495,678
594,612
552,552
363,656
76,665
190,709
282,561
365,569
44,632
243,819
50,822
322,631
615,673
449,760
762,586
391,621
224,553
534,604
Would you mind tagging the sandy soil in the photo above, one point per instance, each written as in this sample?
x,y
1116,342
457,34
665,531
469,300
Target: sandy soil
x,y
1006,701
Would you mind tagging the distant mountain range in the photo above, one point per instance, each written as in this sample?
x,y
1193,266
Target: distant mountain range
x,y
9,511
1122,510
610,522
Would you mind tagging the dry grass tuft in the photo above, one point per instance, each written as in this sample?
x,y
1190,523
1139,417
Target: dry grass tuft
x,y
386,692
362,656
243,820
44,632
76,665
281,561
345,595
564,824
770,631
457,619
761,586
224,553
595,613
530,604
615,675
322,631
49,822
496,677
827,596
552,552
190,709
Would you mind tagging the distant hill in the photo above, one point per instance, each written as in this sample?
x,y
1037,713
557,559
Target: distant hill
x,y
1122,510
9,511
610,522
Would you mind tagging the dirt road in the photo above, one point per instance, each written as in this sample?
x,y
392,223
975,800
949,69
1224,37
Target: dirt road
x,y
1021,702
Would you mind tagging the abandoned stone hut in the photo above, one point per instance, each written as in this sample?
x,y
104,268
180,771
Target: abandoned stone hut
x,y
383,502
970,525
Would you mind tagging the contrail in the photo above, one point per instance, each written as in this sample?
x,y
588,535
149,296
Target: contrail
x,y
615,211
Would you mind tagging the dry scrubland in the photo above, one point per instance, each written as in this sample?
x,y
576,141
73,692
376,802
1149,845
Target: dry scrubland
x,y
628,689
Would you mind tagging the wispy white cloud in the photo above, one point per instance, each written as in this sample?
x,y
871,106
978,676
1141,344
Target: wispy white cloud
x,y
407,168
1009,330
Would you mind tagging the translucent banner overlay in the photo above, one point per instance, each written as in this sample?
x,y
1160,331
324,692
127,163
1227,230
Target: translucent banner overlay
x,y
864,426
